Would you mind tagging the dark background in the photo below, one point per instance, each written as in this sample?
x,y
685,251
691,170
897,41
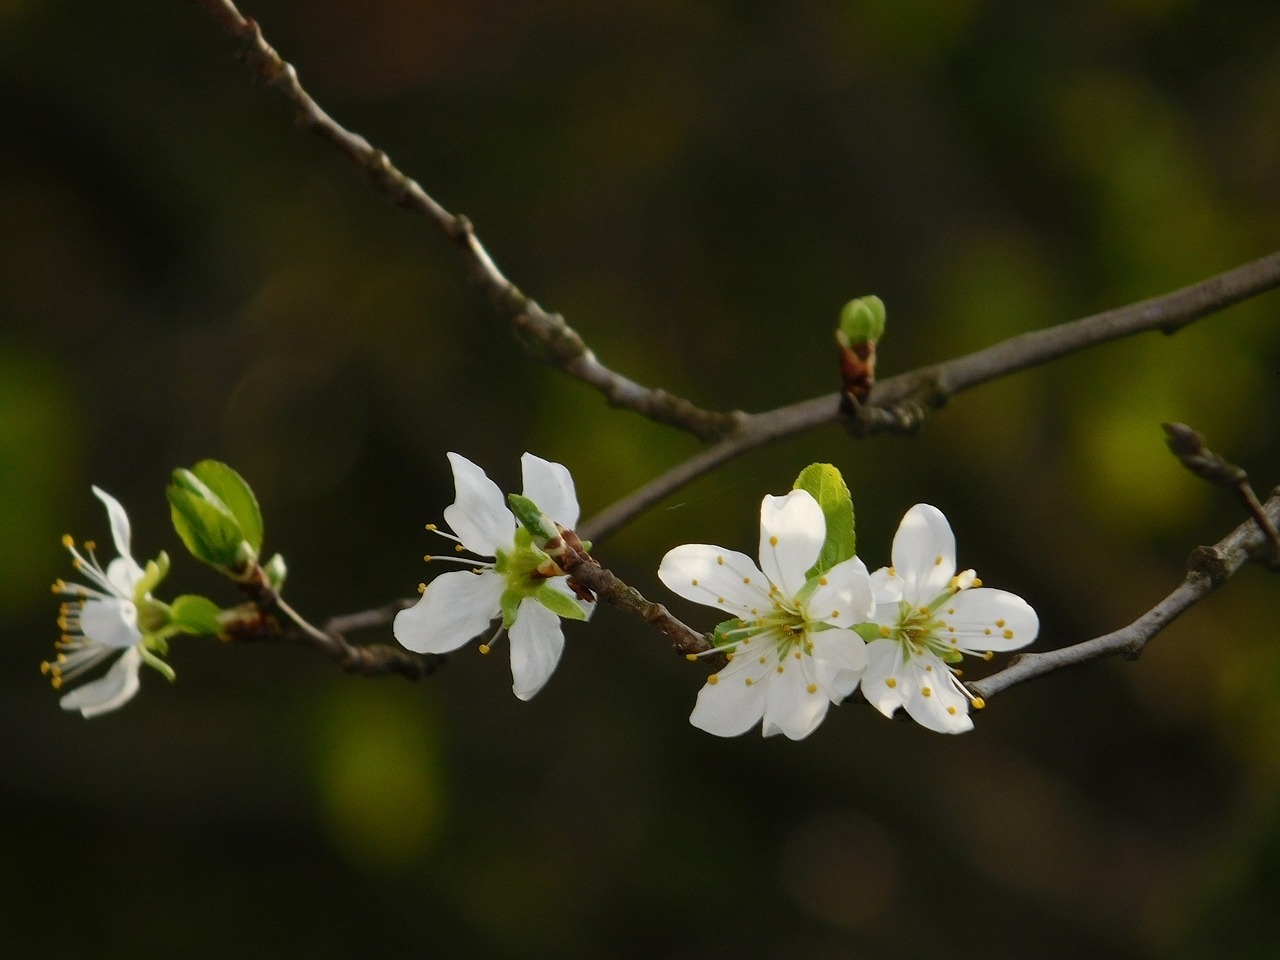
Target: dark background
x,y
698,188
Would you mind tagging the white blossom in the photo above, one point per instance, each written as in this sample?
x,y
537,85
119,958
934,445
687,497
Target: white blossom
x,y
929,616
100,621
521,584
793,652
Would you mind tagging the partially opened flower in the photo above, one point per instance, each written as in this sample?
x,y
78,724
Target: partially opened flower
x,y
522,584
791,653
102,621
929,618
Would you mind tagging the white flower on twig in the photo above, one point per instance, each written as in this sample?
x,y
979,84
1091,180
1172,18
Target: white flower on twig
x,y
791,654
522,584
929,616
101,621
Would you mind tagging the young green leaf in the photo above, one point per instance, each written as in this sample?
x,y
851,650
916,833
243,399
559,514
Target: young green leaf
x,y
229,487
824,483
195,614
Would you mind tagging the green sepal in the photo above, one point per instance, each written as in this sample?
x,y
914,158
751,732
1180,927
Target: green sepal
x,y
509,603
861,321
720,636
191,613
205,524
276,571
541,527
158,665
824,483
229,487
155,571
868,631
561,604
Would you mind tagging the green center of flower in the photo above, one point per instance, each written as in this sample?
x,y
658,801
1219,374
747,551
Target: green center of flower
x,y
920,630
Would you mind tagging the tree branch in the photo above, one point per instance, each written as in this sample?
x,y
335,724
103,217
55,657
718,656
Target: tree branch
x,y
1207,569
544,334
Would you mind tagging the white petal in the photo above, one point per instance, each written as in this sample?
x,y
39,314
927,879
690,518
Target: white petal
x,y
729,705
720,578
119,521
839,661
792,531
123,574
884,663
987,619
924,553
479,514
454,608
886,586
536,645
109,692
931,698
110,621
791,706
550,486
843,596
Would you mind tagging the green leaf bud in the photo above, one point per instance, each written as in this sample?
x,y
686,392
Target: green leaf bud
x,y
861,321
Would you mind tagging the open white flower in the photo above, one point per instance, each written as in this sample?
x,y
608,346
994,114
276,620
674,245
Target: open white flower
x,y
929,616
521,583
793,653
101,621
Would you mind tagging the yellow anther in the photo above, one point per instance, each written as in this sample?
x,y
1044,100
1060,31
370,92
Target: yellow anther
x,y
926,692
957,671
719,599
720,559
432,527
1000,623
1008,634
59,586
427,558
988,655
764,660
835,614
822,581
796,654
928,668
694,581
893,572
951,710
459,548
422,588
924,610
937,561
812,688
713,679
57,682
46,667
91,545
885,631
484,648
951,611
773,541
987,631
979,703
951,629
691,657
67,541
746,579
750,682
890,683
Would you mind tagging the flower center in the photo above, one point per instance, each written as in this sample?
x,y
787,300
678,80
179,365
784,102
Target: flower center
x,y
920,631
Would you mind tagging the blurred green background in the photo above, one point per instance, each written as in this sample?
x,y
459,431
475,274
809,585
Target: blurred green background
x,y
698,187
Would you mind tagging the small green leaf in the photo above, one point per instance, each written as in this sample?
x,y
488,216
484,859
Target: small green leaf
x,y
229,487
562,605
276,571
202,520
862,320
824,483
195,614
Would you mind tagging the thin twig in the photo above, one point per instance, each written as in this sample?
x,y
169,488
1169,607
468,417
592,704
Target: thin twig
x,y
901,403
1207,569
546,335
1189,447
